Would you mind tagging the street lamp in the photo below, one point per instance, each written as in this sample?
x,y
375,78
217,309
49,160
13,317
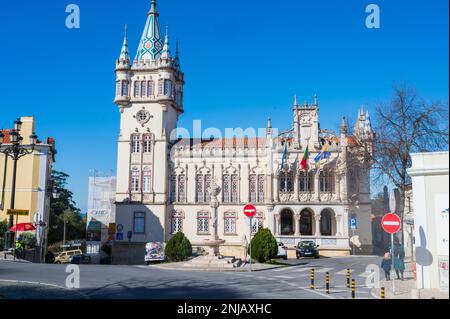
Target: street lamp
x,y
15,149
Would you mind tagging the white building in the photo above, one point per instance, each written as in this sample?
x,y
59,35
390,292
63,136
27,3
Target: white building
x,y
429,172
162,180
101,212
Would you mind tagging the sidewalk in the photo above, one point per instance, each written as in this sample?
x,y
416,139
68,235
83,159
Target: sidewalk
x,y
406,289
243,268
6,256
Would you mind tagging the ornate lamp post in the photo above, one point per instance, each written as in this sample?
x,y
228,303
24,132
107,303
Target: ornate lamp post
x,y
15,150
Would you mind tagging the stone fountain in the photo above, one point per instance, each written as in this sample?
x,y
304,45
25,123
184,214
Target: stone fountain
x,y
213,259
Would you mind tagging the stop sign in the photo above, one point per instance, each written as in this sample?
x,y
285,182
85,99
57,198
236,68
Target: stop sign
x,y
249,210
391,223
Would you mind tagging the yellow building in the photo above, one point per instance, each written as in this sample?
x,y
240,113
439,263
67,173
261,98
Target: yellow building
x,y
33,179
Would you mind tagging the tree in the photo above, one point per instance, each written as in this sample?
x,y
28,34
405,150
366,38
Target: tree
x,y
264,246
3,230
64,207
407,124
178,248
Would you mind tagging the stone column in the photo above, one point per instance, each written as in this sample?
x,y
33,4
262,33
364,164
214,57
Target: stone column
x,y
296,185
316,187
317,220
276,187
297,224
339,227
345,223
277,225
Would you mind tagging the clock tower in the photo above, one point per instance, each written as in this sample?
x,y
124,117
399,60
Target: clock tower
x,y
149,94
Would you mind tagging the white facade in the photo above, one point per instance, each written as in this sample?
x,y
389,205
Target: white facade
x,y
162,181
429,172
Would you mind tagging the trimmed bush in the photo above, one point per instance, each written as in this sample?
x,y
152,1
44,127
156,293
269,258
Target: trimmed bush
x,y
264,246
178,248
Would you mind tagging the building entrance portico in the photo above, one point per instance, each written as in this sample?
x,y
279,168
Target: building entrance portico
x,y
287,222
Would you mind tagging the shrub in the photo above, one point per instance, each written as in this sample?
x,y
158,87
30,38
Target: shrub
x,y
263,246
178,248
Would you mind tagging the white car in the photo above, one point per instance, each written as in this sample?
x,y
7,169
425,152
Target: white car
x,y
282,251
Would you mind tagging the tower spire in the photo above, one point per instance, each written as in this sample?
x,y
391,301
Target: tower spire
x,y
124,54
166,48
151,44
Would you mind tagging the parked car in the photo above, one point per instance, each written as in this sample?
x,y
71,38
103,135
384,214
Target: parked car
x,y
307,248
282,251
63,257
154,252
80,259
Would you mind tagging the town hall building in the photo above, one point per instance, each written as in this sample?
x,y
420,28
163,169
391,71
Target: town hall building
x,y
163,181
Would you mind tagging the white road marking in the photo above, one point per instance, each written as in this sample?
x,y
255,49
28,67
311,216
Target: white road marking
x,y
284,277
343,272
281,268
365,274
302,269
322,270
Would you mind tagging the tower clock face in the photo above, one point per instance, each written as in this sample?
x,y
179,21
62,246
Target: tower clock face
x,y
143,116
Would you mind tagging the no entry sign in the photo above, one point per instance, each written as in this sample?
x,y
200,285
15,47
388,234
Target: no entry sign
x,y
391,223
249,210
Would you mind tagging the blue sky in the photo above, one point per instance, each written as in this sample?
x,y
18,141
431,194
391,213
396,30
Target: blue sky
x,y
243,60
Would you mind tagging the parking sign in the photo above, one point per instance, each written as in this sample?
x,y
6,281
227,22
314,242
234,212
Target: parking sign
x,y
353,223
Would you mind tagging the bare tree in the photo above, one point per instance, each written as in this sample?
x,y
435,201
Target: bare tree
x,y
407,124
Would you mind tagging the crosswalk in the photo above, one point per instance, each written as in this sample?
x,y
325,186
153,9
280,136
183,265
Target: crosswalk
x,y
305,270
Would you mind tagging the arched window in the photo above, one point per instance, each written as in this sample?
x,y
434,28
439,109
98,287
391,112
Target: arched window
x,y
177,222
256,188
203,222
124,88
173,188
147,143
326,181
306,223
143,88
202,184
179,99
181,188
134,187
258,222
287,222
306,181
118,88
168,87
230,223
160,86
150,88
286,182
135,143
137,86
147,181
230,188
326,222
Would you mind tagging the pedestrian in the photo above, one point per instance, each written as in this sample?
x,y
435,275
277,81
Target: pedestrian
x,y
399,257
386,265
19,247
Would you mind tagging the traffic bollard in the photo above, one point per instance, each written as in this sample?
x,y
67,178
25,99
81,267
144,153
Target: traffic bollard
x,y
312,278
383,293
327,282
348,278
353,288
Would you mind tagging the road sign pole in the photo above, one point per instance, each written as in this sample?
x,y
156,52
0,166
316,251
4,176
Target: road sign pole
x,y
250,244
392,261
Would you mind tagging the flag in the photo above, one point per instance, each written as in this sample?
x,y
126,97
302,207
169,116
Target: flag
x,y
283,158
321,157
304,162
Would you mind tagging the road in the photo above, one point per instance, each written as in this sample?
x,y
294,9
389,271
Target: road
x,y
141,282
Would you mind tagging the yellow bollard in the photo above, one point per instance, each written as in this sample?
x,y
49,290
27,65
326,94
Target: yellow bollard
x,y
353,289
312,278
348,277
327,282
383,293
